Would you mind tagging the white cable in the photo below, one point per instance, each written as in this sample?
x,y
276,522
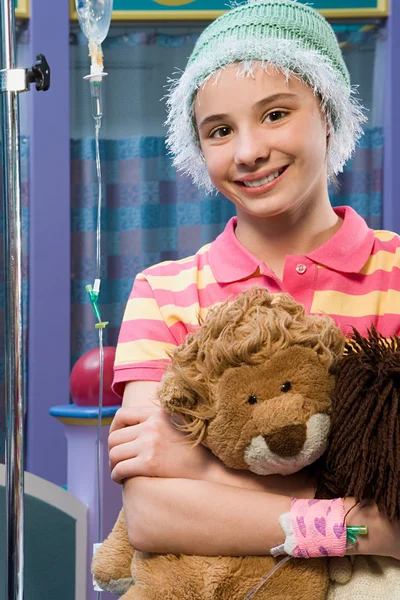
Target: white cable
x,y
99,202
259,585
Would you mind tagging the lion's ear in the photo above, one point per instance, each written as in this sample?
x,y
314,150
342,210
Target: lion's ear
x,y
169,394
190,414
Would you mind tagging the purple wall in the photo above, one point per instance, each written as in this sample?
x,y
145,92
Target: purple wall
x,y
49,245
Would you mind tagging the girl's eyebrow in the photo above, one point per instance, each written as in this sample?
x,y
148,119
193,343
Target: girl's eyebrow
x,y
268,100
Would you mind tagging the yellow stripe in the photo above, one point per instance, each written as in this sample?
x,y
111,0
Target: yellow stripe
x,y
375,303
181,281
385,236
382,260
184,314
142,308
147,308
141,351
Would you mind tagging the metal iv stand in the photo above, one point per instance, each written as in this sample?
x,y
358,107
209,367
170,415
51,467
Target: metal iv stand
x,y
12,82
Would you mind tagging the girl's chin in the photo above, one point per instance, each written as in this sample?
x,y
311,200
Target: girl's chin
x,y
262,207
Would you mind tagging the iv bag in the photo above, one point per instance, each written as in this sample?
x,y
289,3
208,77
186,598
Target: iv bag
x,y
94,18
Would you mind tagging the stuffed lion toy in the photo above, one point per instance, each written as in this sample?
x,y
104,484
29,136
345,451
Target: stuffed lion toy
x,y
253,384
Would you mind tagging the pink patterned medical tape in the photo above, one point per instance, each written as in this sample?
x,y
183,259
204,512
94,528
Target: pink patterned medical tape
x,y
319,527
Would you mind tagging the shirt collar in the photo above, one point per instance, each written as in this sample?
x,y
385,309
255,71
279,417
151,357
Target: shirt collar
x,y
346,251
349,249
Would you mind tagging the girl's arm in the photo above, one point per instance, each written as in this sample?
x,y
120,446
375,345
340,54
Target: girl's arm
x,y
205,518
201,517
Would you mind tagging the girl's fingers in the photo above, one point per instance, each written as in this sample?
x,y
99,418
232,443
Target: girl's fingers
x,y
122,453
122,436
127,416
123,470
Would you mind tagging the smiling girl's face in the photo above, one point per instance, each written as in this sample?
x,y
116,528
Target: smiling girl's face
x,y
264,140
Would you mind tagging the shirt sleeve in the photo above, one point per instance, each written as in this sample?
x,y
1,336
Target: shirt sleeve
x,y
144,339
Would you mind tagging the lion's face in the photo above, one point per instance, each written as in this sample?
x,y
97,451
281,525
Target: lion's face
x,y
272,418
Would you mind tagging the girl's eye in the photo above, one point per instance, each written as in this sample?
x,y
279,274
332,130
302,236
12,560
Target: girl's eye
x,y
220,132
276,115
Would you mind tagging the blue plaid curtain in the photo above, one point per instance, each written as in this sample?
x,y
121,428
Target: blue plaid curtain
x,y
150,213
361,183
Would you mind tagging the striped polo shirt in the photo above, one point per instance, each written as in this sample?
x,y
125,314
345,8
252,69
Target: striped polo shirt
x,y
354,277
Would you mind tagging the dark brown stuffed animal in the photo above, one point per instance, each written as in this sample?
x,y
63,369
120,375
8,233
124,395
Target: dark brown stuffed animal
x,y
363,457
254,385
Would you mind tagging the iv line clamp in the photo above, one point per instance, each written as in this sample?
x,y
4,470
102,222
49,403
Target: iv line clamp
x,y
19,80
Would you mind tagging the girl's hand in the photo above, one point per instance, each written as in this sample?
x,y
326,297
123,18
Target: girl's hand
x,y
383,537
386,536
143,442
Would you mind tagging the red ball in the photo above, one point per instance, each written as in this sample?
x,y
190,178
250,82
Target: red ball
x,y
84,382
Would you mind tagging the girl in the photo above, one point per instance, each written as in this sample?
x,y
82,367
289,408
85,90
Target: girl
x,y
264,113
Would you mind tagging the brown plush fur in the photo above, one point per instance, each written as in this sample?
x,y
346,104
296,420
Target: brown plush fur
x,y
363,458
257,369
171,577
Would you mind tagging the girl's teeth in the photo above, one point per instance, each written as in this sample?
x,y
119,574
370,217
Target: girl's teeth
x,y
264,180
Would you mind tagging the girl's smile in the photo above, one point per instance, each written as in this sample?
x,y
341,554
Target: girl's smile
x,y
261,183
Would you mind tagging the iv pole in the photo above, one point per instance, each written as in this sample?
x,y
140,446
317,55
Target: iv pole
x,y
12,82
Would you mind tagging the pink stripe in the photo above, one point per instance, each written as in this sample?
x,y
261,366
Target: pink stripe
x,y
357,284
151,367
146,371
387,325
212,294
141,289
180,331
134,330
215,293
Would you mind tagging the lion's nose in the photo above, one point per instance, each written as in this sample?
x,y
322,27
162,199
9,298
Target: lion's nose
x,y
287,441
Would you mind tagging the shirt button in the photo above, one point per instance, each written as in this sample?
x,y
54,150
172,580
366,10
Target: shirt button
x,y
300,268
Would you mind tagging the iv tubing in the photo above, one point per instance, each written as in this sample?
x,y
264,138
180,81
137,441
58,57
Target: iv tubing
x,y
15,401
99,476
96,291
259,585
99,201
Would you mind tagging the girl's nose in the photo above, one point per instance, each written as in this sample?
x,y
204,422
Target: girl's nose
x,y
251,146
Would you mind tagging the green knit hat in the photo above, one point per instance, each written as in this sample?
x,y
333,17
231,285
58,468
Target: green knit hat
x,y
286,34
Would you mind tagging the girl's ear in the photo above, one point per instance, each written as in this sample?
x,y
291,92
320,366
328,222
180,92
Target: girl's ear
x,y
328,135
